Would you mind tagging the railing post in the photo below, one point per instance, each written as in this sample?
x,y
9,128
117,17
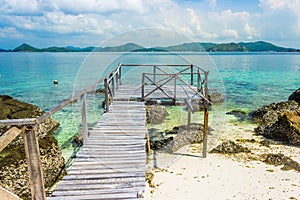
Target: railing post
x,y
154,74
198,80
106,95
143,86
205,117
34,164
117,79
175,77
189,120
192,75
83,117
113,86
120,75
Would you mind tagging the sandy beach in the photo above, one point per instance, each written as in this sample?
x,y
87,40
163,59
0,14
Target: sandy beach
x,y
187,175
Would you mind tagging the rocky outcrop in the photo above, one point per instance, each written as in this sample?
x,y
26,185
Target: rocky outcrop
x,y
156,114
178,137
295,96
13,164
229,147
280,121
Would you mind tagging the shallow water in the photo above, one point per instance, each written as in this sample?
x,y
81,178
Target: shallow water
x,y
249,81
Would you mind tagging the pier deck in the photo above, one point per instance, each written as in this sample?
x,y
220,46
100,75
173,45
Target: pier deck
x,y
112,165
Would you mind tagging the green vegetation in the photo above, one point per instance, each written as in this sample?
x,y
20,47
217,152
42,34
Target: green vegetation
x,y
259,46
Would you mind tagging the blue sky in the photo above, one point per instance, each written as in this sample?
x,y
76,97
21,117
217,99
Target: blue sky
x,y
44,23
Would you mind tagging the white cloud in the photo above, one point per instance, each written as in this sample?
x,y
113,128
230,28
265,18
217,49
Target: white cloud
x,y
251,32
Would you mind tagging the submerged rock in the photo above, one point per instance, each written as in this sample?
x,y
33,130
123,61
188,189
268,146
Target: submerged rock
x,y
241,115
229,147
216,97
156,114
13,165
295,96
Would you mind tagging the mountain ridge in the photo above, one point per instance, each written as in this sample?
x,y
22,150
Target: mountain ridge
x,y
259,46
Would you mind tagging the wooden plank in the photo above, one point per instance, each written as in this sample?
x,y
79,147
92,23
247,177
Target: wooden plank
x,y
7,195
99,192
127,180
67,187
18,122
8,137
34,164
99,197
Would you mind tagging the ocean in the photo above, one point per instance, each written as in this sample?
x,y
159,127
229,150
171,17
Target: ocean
x,y
248,80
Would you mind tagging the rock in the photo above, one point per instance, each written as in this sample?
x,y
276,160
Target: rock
x,y
269,114
156,114
216,97
241,115
286,128
229,147
13,164
295,96
280,159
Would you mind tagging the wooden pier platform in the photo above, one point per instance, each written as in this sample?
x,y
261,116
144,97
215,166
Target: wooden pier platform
x,y
112,165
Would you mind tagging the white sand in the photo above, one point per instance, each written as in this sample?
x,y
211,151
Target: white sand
x,y
189,176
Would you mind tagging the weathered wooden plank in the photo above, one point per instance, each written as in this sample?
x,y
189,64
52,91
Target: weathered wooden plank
x,y
8,137
7,195
99,192
97,186
74,171
99,197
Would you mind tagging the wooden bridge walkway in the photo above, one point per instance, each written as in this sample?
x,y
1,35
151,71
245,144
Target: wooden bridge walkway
x,y
112,161
112,165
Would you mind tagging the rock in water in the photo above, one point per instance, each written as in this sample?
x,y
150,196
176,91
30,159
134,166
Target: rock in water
x,y
13,164
216,97
295,96
156,114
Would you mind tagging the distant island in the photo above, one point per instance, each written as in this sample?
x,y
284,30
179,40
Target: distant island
x,y
259,46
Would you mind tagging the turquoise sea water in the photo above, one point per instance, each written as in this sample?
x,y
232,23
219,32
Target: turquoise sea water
x,y
249,80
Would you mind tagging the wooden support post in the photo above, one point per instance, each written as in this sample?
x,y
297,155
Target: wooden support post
x,y
175,77
143,86
120,75
205,117
154,74
148,143
113,86
34,164
204,153
189,120
117,79
192,75
198,80
106,95
83,117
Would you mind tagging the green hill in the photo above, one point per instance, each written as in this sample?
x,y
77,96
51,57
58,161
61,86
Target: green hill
x,y
26,48
259,46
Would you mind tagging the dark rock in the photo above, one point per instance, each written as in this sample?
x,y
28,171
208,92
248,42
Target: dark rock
x,y
280,159
286,128
156,114
229,147
160,144
13,164
216,97
269,114
295,96
241,115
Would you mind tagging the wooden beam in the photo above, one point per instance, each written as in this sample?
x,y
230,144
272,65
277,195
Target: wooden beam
x,y
84,121
8,137
204,153
18,122
34,164
7,195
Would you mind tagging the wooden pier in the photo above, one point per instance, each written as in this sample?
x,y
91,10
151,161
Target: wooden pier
x,y
111,164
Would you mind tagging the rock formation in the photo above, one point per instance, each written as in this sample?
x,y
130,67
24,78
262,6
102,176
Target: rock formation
x,y
13,164
280,121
